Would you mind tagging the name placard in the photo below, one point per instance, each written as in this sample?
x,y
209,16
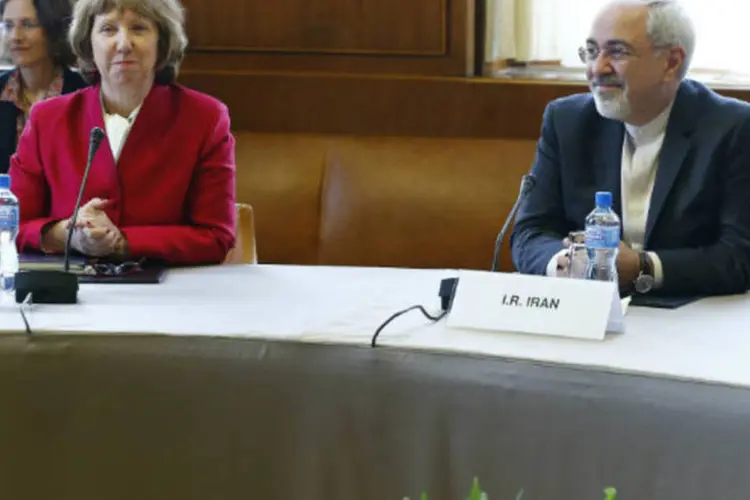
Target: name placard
x,y
538,305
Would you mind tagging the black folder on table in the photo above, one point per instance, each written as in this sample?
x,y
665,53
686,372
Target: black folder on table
x,y
149,274
663,301
152,275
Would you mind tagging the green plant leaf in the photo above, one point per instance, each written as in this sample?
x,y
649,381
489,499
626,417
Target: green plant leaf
x,y
476,491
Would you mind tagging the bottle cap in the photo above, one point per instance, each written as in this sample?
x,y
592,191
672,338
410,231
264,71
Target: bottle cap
x,y
4,181
604,199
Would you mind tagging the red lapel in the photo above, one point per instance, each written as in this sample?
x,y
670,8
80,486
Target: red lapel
x,y
152,122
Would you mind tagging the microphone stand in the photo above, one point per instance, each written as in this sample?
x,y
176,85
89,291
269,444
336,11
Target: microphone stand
x,y
448,285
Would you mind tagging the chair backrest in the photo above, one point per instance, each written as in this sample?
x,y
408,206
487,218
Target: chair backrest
x,y
333,200
244,251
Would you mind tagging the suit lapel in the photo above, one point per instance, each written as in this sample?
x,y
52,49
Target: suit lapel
x,y
607,160
672,156
153,117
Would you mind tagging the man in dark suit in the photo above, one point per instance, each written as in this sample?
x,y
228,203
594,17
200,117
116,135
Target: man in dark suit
x,y
674,154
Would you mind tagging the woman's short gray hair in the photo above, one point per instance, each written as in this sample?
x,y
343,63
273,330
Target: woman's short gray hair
x,y
168,15
669,25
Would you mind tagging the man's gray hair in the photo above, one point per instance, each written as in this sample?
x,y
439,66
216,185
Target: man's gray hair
x,y
669,25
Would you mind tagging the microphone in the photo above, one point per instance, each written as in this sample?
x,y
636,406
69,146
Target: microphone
x,y
448,285
527,184
95,140
51,286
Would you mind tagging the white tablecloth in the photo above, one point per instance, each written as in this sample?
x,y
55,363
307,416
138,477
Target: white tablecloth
x,y
708,340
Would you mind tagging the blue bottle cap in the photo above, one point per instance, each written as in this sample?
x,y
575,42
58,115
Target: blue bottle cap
x,y
604,199
4,181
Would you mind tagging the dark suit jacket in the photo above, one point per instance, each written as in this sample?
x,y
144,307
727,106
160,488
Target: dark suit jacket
x,y
171,192
699,216
72,81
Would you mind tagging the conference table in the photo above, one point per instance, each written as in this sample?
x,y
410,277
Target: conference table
x,y
239,382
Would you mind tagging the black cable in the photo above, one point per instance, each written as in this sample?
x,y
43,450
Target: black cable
x,y
27,300
404,311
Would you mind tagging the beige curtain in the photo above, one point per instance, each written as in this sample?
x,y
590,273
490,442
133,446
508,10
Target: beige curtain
x,y
522,30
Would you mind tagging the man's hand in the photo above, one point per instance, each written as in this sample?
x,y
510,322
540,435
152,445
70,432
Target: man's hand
x,y
563,260
628,265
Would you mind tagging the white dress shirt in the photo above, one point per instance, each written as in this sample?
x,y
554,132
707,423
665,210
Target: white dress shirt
x,y
640,159
117,128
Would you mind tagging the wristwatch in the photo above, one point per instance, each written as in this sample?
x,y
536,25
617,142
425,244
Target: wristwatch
x,y
645,280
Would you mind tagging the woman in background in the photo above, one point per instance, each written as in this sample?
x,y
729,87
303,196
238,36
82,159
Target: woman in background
x,y
34,37
161,186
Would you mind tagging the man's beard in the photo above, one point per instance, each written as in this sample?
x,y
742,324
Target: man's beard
x,y
613,104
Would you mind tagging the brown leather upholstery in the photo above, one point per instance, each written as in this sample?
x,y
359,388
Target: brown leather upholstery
x,y
244,251
378,201
281,177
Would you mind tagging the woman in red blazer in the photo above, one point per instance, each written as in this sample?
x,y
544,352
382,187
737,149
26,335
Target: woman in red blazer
x,y
161,186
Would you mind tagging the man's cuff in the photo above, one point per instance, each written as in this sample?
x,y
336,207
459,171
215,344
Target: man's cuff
x,y
552,269
658,269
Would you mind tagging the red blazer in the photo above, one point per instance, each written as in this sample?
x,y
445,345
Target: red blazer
x,y
171,192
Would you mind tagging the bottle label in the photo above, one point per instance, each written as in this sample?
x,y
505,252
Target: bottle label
x,y
9,217
603,237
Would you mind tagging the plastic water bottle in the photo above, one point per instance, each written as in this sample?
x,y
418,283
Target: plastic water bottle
x,y
9,217
8,267
602,228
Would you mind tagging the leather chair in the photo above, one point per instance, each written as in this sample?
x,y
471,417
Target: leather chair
x,y
245,249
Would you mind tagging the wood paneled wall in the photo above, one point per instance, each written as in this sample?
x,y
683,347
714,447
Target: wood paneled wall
x,y
427,37
380,105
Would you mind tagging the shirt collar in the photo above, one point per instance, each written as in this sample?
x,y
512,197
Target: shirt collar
x,y
643,134
130,118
